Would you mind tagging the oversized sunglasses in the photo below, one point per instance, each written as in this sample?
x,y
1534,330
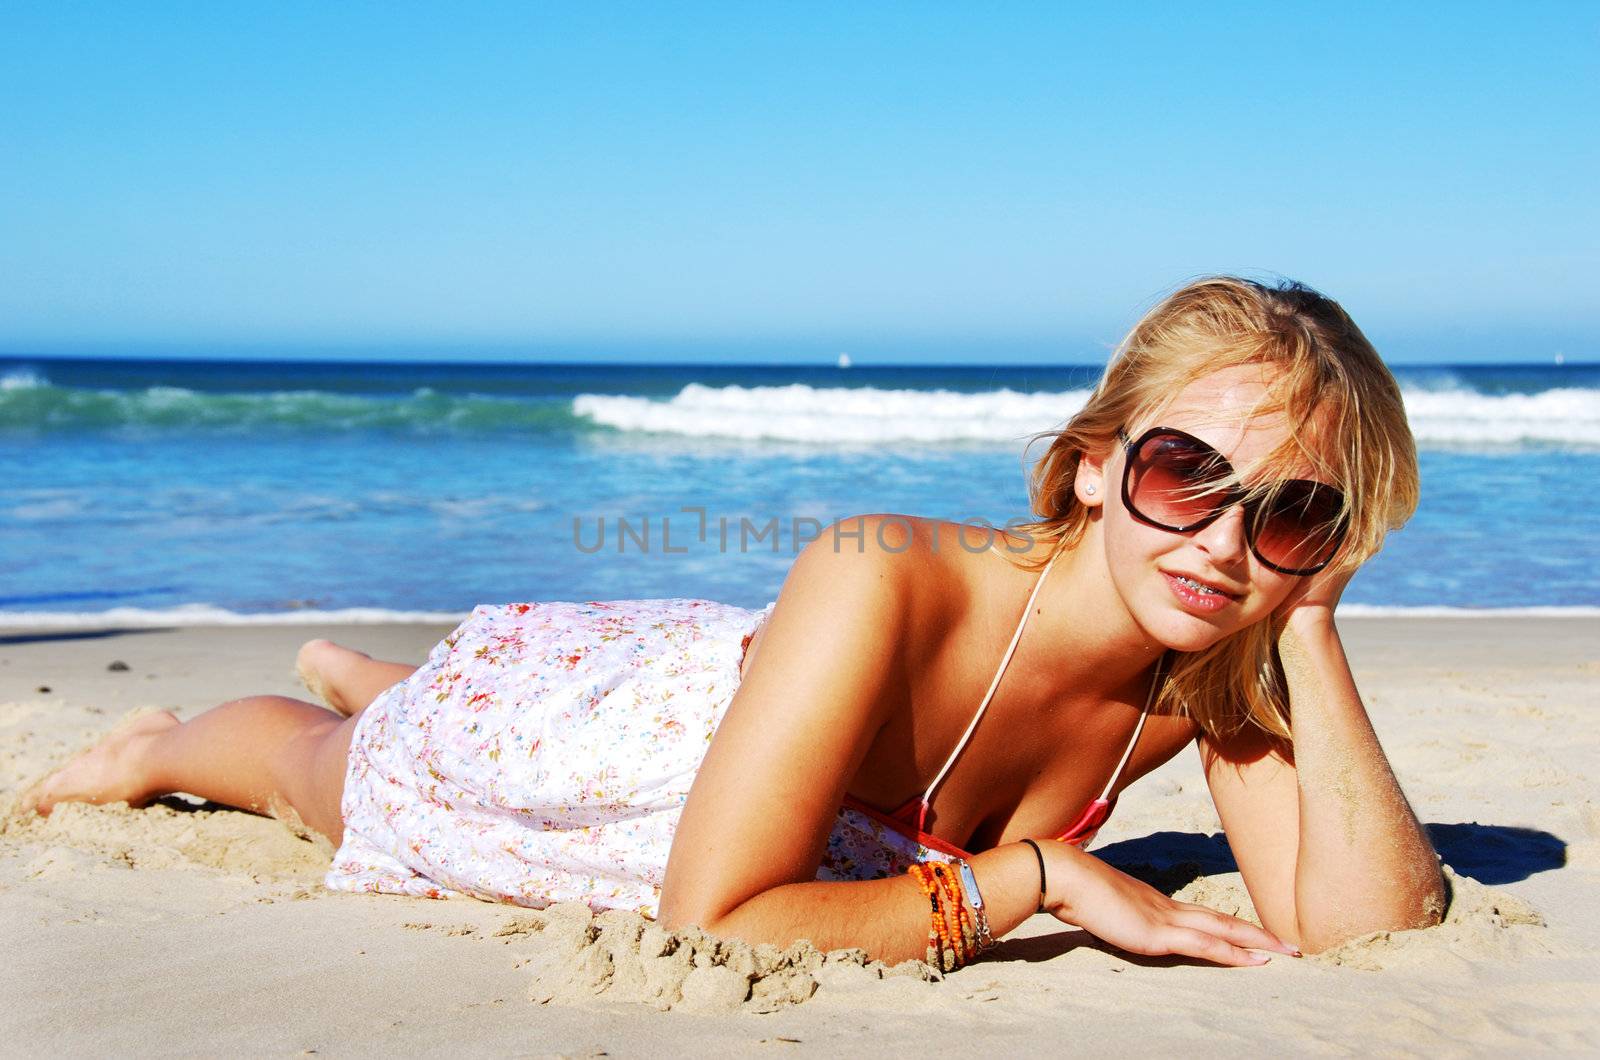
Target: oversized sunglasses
x,y
1174,481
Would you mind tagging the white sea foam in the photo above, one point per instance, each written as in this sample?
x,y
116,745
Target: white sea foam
x,y
1567,416
53,509
22,379
836,414
1445,413
1450,418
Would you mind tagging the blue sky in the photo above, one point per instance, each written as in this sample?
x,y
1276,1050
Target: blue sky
x,y
1006,182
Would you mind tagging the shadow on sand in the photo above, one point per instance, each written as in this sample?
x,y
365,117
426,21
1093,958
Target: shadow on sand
x,y
46,636
1493,854
1489,853
1169,861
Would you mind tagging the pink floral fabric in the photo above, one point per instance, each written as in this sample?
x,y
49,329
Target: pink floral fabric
x,y
863,848
544,751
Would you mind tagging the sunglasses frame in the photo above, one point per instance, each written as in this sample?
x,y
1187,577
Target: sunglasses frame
x,y
1235,495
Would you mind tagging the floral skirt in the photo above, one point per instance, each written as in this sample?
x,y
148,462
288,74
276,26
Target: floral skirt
x,y
544,751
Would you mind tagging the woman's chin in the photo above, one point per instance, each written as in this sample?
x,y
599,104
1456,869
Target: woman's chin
x,y
1178,631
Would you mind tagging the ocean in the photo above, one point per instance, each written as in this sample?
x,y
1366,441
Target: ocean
x,y
155,491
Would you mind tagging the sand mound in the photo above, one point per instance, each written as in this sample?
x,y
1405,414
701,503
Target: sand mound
x,y
1481,923
168,836
172,832
619,956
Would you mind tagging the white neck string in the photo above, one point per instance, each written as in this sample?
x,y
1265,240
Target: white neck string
x,y
1127,753
984,706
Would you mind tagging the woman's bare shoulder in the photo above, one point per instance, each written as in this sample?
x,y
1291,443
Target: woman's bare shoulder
x,y
883,549
932,561
928,572
894,559
873,558
940,571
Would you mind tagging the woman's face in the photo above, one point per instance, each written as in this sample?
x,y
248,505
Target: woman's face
x,y
1149,566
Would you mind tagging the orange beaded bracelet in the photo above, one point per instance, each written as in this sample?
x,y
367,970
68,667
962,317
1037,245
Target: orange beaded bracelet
x,y
962,926
952,932
938,934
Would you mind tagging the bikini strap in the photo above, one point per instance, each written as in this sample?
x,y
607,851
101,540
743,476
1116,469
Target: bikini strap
x,y
922,809
1149,701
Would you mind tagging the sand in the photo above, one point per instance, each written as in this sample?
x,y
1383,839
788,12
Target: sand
x,y
188,929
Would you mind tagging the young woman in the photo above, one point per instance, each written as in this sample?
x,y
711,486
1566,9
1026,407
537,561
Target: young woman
x,y
909,749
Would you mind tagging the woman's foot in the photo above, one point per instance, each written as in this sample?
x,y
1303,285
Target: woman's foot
x,y
111,771
324,667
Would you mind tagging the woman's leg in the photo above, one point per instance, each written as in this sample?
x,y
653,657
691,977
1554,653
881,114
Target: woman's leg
x,y
269,754
346,679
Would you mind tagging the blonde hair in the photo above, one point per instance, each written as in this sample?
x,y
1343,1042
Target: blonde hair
x,y
1346,420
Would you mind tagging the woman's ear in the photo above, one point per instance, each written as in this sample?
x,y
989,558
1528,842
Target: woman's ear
x,y
1090,484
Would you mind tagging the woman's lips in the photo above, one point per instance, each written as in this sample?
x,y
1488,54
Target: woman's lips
x,y
1196,600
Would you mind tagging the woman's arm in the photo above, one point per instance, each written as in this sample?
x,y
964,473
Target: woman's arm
x,y
752,833
1327,843
746,850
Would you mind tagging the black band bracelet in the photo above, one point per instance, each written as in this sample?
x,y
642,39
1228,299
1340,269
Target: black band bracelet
x,y
1040,855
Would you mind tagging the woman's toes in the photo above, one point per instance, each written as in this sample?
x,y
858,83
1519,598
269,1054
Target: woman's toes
x,y
110,771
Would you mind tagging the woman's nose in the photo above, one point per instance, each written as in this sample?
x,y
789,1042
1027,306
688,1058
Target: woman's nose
x,y
1224,539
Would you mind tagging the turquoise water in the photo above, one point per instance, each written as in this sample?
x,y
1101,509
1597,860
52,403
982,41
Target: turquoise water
x,y
279,488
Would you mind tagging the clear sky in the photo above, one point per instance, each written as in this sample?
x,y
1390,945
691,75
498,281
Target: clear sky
x,y
771,181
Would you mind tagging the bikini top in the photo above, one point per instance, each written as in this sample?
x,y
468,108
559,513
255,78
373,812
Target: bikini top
x,y
911,818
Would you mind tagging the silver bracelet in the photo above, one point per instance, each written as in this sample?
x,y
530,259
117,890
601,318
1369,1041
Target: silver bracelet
x,y
969,881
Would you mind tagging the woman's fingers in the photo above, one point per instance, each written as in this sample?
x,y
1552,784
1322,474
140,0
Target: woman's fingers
x,y
1239,932
1136,917
1192,942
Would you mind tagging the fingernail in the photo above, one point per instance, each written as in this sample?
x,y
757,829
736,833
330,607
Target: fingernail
x,y
1296,953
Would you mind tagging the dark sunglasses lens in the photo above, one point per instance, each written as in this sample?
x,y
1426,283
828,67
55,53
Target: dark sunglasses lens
x,y
1176,481
1300,527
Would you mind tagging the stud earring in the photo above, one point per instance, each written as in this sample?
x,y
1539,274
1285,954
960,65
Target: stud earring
x,y
1089,489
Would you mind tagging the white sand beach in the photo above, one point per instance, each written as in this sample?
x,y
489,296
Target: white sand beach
x,y
178,930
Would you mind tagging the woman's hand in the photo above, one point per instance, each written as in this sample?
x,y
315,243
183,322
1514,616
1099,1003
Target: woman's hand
x,y
1315,597
1116,908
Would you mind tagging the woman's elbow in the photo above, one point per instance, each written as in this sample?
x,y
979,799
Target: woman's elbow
x,y
1421,905
679,910
1421,900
